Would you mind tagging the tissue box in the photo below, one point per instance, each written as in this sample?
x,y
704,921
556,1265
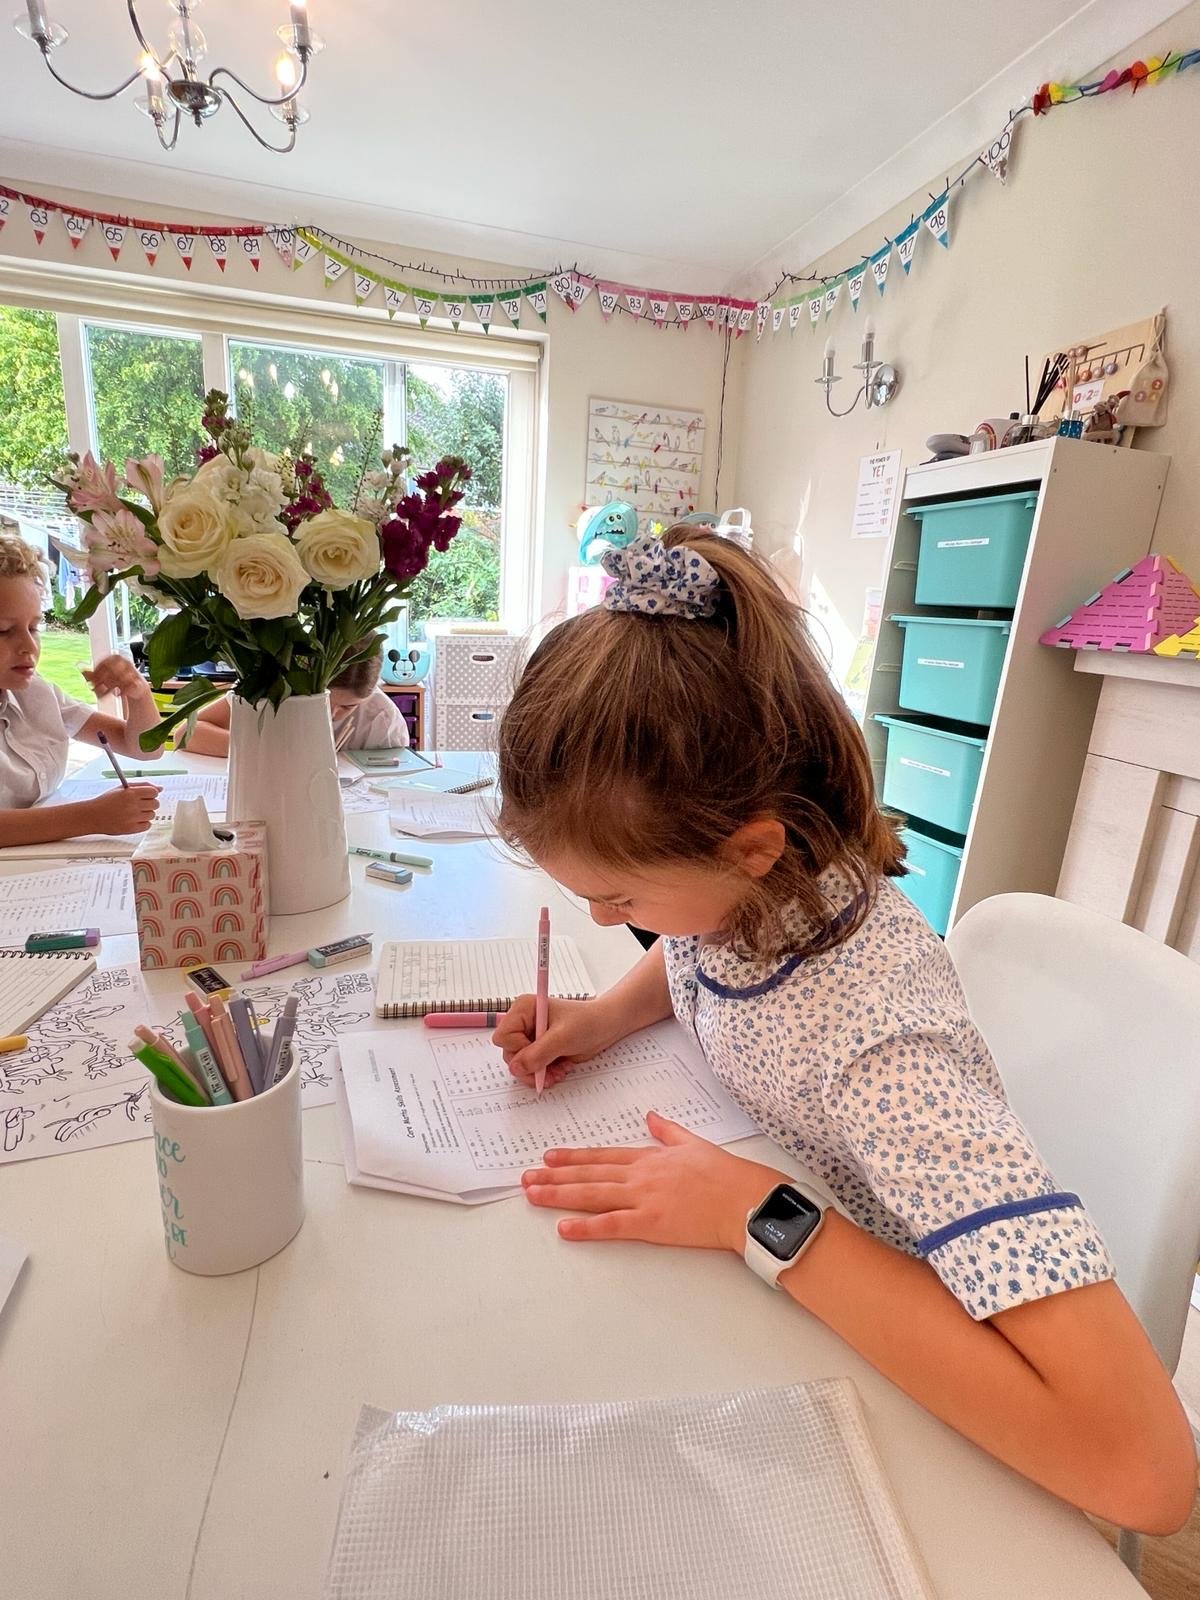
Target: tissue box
x,y
201,905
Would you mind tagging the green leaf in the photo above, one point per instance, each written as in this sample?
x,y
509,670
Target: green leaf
x,y
169,647
91,603
154,738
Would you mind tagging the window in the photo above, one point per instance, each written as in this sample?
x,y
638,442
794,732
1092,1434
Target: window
x,y
146,391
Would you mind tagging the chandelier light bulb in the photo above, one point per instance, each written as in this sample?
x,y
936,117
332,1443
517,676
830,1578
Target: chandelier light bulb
x,y
286,72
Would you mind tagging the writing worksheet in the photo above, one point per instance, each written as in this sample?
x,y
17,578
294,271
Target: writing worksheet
x,y
96,896
211,787
443,1114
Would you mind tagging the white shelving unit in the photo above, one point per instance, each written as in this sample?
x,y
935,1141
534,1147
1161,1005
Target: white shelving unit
x,y
1096,512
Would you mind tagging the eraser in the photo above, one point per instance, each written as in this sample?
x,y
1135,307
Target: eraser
x,y
208,980
388,872
70,939
328,955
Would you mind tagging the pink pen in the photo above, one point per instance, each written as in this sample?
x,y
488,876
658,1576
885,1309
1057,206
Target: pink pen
x,y
259,969
463,1019
541,1013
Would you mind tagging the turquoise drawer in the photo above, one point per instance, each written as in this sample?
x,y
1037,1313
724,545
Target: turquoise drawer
x,y
973,551
932,876
951,666
931,773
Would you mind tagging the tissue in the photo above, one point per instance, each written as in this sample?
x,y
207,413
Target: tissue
x,y
200,896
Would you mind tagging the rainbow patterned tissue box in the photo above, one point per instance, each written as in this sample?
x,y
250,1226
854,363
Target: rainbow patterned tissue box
x,y
201,906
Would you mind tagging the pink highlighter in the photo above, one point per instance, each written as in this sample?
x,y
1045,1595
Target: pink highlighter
x,y
541,1013
463,1019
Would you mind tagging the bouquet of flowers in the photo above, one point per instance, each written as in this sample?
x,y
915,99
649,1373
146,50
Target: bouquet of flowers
x,y
256,565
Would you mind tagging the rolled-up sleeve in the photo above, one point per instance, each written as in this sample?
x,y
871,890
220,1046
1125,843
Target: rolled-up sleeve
x,y
949,1160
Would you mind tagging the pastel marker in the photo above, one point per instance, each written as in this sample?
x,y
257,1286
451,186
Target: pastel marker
x,y
463,1019
167,1073
205,1060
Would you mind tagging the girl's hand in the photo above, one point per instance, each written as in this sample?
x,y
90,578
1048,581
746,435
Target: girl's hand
x,y
116,675
123,811
681,1190
577,1031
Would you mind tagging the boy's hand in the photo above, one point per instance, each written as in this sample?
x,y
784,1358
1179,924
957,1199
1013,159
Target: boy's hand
x,y
116,675
123,811
577,1031
681,1190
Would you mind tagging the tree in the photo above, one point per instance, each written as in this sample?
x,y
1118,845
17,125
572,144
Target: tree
x,y
146,393
33,429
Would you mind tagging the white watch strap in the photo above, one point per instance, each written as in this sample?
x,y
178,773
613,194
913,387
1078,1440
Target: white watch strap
x,y
763,1263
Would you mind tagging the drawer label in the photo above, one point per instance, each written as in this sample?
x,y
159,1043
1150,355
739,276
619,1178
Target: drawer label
x,y
961,544
923,766
934,661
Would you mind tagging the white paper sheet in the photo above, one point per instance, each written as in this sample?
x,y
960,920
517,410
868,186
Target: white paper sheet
x,y
99,895
442,1112
12,1259
212,787
424,815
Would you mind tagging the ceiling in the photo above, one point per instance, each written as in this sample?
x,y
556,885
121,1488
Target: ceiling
x,y
676,134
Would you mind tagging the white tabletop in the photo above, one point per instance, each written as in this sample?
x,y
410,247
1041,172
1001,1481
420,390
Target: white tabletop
x,y
169,1437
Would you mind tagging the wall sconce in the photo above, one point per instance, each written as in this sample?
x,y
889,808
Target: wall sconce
x,y
879,380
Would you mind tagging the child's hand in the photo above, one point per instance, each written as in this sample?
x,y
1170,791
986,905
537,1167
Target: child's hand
x,y
123,811
682,1190
578,1030
115,675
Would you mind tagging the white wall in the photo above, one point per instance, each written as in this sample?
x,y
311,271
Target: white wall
x,y
584,356
1096,228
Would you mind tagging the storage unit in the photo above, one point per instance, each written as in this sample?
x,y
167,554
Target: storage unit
x,y
972,552
951,666
471,680
1095,512
931,773
931,877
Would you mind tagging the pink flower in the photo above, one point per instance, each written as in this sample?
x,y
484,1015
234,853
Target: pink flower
x,y
116,540
144,475
95,486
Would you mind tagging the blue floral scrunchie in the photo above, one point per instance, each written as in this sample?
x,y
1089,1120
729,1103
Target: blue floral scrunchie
x,y
653,581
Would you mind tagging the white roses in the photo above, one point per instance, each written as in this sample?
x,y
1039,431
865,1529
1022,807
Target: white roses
x,y
253,494
261,576
195,528
338,549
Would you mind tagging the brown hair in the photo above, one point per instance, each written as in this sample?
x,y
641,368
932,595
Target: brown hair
x,y
638,740
362,674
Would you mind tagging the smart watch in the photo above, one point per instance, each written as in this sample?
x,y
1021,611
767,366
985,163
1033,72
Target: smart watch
x,y
779,1231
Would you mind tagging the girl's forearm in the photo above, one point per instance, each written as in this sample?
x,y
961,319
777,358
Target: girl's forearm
x,y
1118,1446
642,996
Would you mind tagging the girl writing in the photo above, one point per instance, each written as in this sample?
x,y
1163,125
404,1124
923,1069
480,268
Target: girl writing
x,y
37,721
679,759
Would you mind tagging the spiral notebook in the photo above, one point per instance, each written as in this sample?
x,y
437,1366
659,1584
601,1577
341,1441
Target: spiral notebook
x,y
31,984
472,975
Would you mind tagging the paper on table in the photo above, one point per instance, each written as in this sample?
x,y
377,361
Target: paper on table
x,y
99,895
425,815
444,1113
88,847
212,787
12,1259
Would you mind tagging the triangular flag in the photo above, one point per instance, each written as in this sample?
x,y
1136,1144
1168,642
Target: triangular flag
x,y
708,311
830,297
580,289
510,304
333,268
284,240
3,210
364,287
760,317
636,301
252,249
745,313
795,307
855,285
607,295
685,310
906,244
937,219
535,293
393,299
561,284
484,305
456,310
659,306
777,318
114,238
1146,604
303,251
76,227
879,264
815,302
39,219
219,245
151,241
185,243
425,304
996,157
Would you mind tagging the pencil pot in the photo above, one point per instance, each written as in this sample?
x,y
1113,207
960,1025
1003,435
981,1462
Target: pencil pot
x,y
230,1178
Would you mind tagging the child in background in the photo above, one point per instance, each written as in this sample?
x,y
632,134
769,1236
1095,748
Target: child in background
x,y
679,758
364,718
37,721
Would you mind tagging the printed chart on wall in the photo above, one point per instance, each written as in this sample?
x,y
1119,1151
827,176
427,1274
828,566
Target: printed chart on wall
x,y
876,495
649,455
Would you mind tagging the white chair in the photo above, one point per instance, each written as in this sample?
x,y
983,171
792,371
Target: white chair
x,y
1096,1031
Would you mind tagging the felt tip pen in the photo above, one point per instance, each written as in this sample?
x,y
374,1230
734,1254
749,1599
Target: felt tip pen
x,y
198,1048
72,939
463,1019
396,856
167,1073
149,772
157,1041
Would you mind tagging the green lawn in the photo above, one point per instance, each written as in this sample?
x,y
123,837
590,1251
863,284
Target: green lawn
x,y
62,656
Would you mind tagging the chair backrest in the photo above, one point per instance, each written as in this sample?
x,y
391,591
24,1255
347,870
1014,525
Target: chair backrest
x,y
1096,1031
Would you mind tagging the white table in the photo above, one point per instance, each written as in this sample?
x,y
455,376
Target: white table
x,y
168,1437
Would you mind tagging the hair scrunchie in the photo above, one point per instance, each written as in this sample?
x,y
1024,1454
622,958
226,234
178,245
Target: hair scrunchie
x,y
654,581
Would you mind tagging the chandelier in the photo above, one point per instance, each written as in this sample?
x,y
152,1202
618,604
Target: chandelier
x,y
174,87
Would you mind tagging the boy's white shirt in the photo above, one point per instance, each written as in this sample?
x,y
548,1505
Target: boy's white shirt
x,y
36,727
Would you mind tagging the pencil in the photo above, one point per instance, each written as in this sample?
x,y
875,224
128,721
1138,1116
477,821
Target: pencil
x,y
541,1012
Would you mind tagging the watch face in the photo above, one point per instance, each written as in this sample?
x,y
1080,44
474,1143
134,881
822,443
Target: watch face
x,y
783,1222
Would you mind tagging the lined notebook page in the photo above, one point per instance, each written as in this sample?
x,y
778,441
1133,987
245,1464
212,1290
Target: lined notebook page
x,y
31,984
472,975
